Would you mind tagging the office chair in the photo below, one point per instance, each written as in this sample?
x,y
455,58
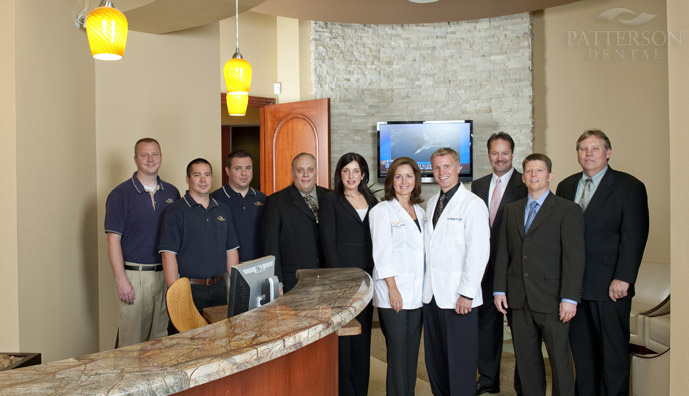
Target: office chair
x,y
181,308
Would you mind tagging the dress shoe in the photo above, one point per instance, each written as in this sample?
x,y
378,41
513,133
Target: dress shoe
x,y
481,389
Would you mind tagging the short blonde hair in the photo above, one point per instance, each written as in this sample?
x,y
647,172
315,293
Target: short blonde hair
x,y
445,151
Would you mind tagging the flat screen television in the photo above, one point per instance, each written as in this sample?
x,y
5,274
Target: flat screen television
x,y
419,139
252,284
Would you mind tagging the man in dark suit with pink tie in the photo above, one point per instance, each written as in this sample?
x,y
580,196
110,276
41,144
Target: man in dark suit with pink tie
x,y
504,185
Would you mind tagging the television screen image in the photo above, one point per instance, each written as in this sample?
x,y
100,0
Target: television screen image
x,y
419,139
252,284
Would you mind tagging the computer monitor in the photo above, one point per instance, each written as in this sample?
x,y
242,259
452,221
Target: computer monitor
x,y
252,284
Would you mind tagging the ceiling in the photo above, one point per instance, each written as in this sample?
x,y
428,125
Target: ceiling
x,y
399,11
165,16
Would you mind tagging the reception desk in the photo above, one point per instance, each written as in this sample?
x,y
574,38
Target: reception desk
x,y
287,347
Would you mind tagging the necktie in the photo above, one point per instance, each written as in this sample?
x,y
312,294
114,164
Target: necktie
x,y
439,208
495,201
533,209
584,200
312,205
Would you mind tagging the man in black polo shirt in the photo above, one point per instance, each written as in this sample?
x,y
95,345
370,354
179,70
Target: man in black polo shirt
x,y
245,203
198,240
133,215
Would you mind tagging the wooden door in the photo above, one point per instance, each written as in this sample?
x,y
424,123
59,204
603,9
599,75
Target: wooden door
x,y
291,128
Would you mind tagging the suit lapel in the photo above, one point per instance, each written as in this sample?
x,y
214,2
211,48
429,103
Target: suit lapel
x,y
543,212
519,216
509,196
300,203
483,190
607,185
342,200
569,188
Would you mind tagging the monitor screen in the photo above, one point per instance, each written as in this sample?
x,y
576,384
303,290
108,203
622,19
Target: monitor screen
x,y
252,284
419,139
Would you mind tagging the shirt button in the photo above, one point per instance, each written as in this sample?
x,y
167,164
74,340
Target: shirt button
x,y
526,274
524,257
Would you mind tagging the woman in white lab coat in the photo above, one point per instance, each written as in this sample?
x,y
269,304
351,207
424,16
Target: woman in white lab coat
x,y
397,225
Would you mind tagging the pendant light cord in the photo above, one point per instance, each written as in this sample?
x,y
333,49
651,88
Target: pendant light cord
x,y
236,27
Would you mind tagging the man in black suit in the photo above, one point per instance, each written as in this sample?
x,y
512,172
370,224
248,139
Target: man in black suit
x,y
501,187
290,223
616,216
538,271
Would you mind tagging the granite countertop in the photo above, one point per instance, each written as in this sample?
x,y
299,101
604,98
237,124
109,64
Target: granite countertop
x,y
323,301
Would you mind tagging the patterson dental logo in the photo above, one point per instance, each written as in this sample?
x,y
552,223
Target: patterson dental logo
x,y
633,44
613,13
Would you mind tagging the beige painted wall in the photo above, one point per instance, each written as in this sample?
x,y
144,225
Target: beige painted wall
x,y
289,59
56,179
305,60
9,263
576,89
678,20
166,88
258,45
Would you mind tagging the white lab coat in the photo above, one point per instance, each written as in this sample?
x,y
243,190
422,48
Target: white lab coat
x,y
457,249
397,251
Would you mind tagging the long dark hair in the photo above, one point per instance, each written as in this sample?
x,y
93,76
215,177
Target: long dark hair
x,y
363,186
388,187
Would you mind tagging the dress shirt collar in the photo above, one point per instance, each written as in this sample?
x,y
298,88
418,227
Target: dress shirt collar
x,y
540,199
595,179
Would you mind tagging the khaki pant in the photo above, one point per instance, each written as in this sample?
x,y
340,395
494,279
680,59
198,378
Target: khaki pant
x,y
145,319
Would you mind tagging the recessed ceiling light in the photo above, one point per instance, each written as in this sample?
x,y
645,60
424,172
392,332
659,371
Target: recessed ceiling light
x,y
422,1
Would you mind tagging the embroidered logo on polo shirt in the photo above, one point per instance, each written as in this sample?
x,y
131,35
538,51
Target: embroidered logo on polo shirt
x,y
257,203
169,200
220,218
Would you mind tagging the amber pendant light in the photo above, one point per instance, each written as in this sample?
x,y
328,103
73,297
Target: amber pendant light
x,y
106,29
237,73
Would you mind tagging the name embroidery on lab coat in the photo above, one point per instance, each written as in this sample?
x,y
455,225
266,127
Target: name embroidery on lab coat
x,y
398,224
454,219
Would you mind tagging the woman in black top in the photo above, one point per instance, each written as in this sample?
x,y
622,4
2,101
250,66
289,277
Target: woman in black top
x,y
346,241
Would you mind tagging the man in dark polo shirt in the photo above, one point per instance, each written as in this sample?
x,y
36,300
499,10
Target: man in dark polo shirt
x,y
245,203
198,240
133,214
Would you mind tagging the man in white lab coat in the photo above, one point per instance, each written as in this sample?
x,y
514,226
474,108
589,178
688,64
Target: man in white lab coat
x,y
457,246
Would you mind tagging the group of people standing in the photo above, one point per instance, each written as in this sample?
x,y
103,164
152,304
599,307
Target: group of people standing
x,y
561,266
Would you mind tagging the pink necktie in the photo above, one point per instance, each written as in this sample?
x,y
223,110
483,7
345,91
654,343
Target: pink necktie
x,y
495,201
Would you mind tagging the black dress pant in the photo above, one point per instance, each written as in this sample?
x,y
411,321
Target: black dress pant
x,y
600,345
451,344
490,339
402,331
355,357
529,330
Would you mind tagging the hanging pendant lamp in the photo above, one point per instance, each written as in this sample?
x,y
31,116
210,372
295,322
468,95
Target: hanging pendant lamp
x,y
237,73
106,29
236,104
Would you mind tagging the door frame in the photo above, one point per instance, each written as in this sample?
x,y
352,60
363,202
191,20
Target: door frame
x,y
257,102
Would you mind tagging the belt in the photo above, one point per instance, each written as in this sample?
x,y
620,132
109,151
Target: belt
x,y
205,281
152,267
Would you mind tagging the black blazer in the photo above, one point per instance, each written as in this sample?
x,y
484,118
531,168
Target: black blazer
x,y
545,265
345,238
290,233
616,221
515,190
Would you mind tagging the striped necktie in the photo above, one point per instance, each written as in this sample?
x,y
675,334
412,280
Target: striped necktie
x,y
533,209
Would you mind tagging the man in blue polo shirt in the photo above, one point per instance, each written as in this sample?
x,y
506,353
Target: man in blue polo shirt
x,y
245,203
198,240
133,215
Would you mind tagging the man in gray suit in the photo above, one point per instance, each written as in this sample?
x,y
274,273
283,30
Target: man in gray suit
x,y
538,271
